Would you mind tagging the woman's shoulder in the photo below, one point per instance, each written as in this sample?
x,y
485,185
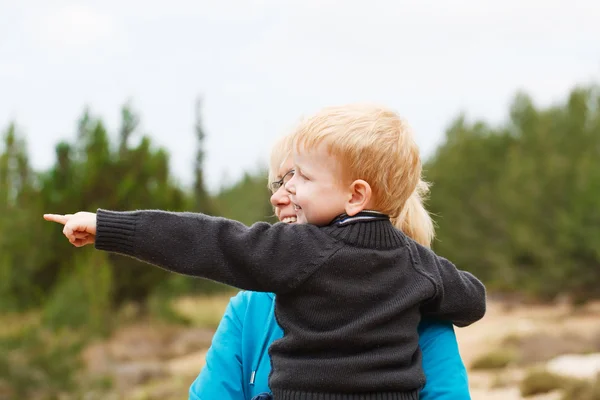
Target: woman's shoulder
x,y
248,301
255,314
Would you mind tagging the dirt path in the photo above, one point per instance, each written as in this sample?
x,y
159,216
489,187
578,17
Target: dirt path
x,y
500,323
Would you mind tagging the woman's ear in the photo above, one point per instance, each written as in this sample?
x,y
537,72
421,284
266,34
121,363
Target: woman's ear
x,y
360,197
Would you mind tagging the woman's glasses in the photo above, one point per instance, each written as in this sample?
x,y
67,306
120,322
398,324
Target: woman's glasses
x,y
275,186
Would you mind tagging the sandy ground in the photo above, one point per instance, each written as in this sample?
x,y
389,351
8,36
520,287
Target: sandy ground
x,y
501,322
144,374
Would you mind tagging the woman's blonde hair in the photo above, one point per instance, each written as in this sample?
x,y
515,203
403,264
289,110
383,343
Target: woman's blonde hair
x,y
374,144
280,153
414,220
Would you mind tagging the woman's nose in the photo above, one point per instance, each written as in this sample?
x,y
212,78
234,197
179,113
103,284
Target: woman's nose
x,y
280,197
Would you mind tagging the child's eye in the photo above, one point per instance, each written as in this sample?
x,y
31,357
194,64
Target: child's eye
x,y
302,175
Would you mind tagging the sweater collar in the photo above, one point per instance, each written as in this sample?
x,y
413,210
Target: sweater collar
x,y
363,216
366,229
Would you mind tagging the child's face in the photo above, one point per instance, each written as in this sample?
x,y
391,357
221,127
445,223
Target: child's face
x,y
317,190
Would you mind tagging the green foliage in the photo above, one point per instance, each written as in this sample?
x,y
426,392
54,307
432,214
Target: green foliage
x,y
518,204
115,177
82,297
40,268
201,198
248,200
36,364
21,234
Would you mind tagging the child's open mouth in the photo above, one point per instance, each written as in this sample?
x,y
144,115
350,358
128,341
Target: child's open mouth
x,y
289,220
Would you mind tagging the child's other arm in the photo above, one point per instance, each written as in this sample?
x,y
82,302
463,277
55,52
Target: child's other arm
x,y
263,257
460,296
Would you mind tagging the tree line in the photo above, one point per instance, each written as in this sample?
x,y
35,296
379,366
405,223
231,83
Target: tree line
x,y
518,204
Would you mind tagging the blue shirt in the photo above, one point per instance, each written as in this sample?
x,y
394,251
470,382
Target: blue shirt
x,y
238,364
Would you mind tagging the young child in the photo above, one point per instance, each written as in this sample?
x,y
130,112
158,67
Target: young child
x,y
350,287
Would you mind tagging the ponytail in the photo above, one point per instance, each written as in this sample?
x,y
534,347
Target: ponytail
x,y
414,220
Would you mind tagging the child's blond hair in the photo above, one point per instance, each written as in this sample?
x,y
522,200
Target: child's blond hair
x,y
374,144
371,143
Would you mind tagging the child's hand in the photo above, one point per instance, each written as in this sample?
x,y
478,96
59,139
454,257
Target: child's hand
x,y
80,228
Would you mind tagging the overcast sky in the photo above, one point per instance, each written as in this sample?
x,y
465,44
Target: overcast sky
x,y
260,65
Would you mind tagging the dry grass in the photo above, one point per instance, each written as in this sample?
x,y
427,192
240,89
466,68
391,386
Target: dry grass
x,y
538,381
583,390
541,346
15,323
203,311
495,359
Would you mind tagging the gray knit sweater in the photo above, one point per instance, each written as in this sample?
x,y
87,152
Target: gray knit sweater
x,y
349,296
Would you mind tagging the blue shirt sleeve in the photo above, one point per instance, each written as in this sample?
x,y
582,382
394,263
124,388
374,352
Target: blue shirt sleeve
x,y
444,369
221,376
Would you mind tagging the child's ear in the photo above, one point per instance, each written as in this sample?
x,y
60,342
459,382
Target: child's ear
x,y
360,197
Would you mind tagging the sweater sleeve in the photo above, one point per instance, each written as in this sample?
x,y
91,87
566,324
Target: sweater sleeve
x,y
263,257
460,297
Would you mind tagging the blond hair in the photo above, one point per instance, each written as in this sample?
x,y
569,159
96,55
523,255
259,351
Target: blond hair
x,y
374,144
280,153
414,220
371,143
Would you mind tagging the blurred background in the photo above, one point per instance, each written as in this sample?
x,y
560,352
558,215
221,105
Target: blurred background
x,y
138,104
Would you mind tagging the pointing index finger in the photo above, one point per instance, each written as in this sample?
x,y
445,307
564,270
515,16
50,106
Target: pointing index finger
x,y
61,219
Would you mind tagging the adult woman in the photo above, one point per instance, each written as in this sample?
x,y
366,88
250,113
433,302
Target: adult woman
x,y
238,364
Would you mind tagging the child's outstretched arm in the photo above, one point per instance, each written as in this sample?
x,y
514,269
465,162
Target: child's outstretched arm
x,y
460,297
263,257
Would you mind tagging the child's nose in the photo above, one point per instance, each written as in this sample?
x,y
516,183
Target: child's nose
x,y
290,186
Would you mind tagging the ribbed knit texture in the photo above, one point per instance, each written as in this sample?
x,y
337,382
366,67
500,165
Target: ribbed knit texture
x,y
349,297
122,230
294,395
